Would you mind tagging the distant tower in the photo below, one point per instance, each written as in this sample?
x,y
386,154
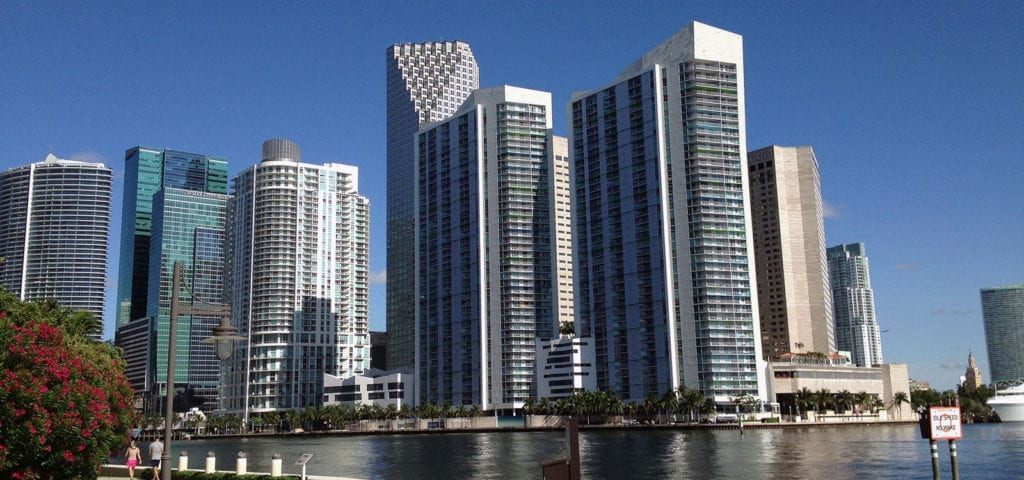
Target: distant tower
x,y
972,377
661,228
486,259
1002,309
426,82
794,299
853,304
297,279
54,233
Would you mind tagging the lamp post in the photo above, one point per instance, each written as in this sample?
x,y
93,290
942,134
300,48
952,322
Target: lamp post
x,y
224,336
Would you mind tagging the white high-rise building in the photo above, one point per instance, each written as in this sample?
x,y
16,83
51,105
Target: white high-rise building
x,y
55,233
487,256
662,231
853,304
426,82
297,280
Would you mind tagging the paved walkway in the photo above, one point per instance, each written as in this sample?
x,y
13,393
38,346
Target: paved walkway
x,y
121,473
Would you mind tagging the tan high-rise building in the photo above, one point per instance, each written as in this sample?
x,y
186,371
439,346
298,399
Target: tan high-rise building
x,y
793,293
972,377
562,217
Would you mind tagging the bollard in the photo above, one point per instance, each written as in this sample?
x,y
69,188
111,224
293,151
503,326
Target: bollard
x,y
242,464
182,461
275,465
211,462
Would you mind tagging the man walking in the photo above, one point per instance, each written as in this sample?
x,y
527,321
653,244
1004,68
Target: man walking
x,y
156,450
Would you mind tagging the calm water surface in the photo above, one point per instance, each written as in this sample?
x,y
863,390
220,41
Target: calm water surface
x,y
896,452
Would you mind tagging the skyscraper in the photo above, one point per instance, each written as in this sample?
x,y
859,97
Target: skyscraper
x,y
853,304
426,82
188,227
662,231
794,299
147,171
54,233
486,258
1002,309
156,229
297,280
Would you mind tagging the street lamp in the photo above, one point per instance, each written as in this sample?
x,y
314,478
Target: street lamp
x,y
224,336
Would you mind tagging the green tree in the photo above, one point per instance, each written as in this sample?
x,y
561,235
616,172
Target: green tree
x,y
65,404
898,399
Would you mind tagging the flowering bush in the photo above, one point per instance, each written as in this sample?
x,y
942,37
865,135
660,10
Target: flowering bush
x,y
65,404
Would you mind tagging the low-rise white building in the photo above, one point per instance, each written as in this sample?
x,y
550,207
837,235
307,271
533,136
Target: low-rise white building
x,y
564,366
372,387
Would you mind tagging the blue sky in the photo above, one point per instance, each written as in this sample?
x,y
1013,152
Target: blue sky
x,y
914,109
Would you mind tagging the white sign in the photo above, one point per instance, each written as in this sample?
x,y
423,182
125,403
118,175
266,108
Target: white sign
x,y
945,423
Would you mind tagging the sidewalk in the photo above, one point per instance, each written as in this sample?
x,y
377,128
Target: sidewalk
x,y
120,472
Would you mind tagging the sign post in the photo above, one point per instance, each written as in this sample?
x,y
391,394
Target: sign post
x,y
945,425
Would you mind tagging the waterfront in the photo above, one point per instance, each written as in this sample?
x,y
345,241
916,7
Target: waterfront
x,y
987,451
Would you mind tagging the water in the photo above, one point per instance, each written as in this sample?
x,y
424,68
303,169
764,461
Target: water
x,y
833,453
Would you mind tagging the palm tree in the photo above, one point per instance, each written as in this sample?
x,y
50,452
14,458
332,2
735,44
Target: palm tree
x,y
898,399
530,406
844,400
863,399
805,400
825,399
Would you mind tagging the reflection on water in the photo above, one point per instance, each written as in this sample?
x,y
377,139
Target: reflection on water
x,y
833,453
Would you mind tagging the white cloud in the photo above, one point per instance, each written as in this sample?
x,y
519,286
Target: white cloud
x,y
379,278
828,211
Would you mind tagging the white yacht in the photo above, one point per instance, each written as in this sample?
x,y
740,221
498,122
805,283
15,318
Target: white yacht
x,y
1009,403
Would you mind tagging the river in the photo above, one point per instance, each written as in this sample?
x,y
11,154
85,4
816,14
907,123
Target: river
x,y
992,451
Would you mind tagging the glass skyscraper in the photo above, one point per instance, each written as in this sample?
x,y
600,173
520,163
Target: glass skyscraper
x,y
1002,309
297,279
147,170
853,304
158,228
426,82
188,227
487,257
54,233
662,232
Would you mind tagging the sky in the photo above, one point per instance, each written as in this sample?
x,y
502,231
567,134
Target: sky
x,y
914,109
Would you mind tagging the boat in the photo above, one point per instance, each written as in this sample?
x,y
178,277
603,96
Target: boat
x,y
1009,403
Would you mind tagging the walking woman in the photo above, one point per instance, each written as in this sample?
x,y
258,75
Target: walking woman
x,y
131,458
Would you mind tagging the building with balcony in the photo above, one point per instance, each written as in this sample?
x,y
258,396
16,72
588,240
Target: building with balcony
x,y
487,256
297,280
853,304
55,233
662,230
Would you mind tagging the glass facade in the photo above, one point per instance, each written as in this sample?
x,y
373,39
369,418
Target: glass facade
x,y
297,279
486,265
54,233
1002,309
148,170
157,228
426,82
853,304
662,225
188,227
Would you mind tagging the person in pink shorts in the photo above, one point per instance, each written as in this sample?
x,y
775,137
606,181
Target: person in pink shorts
x,y
131,458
